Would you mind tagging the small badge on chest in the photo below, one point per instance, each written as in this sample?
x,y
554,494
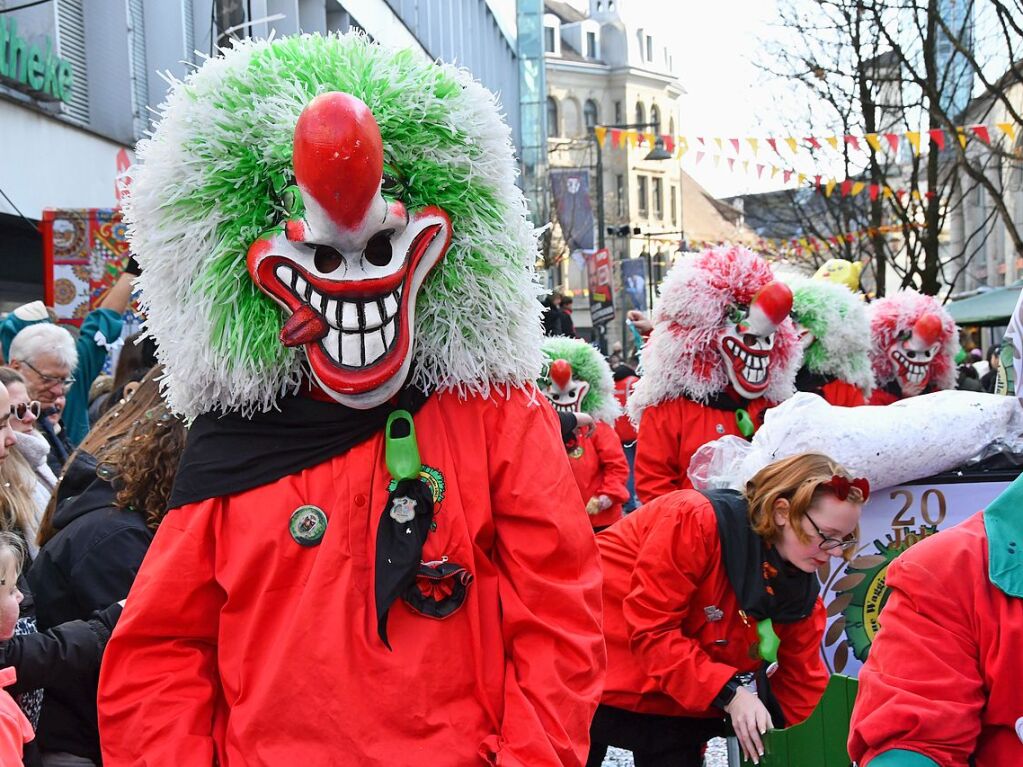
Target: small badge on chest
x,y
307,525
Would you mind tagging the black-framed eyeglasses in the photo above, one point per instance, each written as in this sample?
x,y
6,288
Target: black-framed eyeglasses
x,y
22,409
49,380
830,544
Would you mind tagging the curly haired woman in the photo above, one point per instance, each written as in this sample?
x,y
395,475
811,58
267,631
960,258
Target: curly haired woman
x,y
93,539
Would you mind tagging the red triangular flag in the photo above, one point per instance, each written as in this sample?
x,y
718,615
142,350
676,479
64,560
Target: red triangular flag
x,y
980,131
899,193
853,142
786,175
616,138
817,181
735,144
700,139
813,142
846,187
699,156
773,143
938,137
893,140
930,195
731,163
760,170
874,191
669,143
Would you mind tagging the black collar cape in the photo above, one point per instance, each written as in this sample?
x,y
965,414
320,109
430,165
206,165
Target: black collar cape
x,y
766,586
814,383
228,453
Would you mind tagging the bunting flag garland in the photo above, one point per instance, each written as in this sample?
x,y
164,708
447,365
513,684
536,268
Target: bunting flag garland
x,y
800,245
876,142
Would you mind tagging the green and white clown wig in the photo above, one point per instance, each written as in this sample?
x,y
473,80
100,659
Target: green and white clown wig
x,y
577,379
833,329
325,206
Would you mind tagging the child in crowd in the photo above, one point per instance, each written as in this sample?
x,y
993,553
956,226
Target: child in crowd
x,y
15,728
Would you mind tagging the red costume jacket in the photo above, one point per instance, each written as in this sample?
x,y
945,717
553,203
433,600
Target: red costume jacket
x,y
943,677
663,571
843,394
241,648
670,432
883,397
600,468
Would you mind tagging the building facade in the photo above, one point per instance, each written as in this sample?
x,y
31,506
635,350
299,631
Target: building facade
x,y
607,65
79,80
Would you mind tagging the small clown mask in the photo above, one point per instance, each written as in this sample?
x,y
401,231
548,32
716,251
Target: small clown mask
x,y
914,351
349,259
565,392
748,338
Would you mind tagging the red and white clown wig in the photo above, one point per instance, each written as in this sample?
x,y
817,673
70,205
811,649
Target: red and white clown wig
x,y
721,320
914,343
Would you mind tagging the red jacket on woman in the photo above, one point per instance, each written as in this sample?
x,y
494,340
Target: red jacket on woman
x,y
672,624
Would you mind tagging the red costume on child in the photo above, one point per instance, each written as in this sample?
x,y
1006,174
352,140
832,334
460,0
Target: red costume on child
x,y
600,468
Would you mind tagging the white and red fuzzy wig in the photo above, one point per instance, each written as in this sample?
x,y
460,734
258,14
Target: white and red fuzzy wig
x,y
700,300
910,331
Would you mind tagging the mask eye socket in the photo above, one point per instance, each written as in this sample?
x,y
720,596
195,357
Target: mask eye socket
x,y
736,315
291,200
391,183
378,250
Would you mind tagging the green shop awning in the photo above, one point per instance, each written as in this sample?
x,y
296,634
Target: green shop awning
x,y
992,307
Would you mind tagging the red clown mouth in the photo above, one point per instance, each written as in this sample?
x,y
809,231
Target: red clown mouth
x,y
356,332
749,365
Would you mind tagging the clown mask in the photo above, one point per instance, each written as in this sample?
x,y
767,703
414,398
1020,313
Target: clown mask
x,y
349,260
748,338
914,351
565,392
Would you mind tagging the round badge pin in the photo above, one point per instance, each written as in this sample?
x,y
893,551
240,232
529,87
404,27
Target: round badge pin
x,y
307,525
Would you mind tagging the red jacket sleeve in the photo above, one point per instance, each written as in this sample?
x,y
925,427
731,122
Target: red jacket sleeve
x,y
657,449
843,394
614,469
676,556
158,681
550,588
921,689
801,677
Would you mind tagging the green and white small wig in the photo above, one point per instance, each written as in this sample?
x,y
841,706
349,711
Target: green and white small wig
x,y
587,366
837,319
208,183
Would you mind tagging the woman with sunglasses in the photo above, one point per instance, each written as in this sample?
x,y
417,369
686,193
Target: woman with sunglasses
x,y
32,446
698,589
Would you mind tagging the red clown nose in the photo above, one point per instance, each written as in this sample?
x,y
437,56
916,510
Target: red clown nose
x,y
770,306
927,330
561,373
339,156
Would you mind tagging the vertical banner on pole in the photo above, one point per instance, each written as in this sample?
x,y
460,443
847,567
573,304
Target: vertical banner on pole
x,y
601,280
571,189
634,277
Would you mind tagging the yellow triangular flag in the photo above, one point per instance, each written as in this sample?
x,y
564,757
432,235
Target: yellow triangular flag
x,y
649,138
682,145
717,160
601,133
745,166
887,192
961,132
775,170
916,194
793,144
801,180
1008,129
633,138
914,139
857,188
755,144
830,187
718,142
874,141
833,140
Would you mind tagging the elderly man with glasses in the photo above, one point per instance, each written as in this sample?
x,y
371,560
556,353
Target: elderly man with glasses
x,y
45,355
100,329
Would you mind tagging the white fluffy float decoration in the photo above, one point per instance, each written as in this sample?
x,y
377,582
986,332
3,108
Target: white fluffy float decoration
x,y
889,445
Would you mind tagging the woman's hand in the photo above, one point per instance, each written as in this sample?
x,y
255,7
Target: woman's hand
x,y
750,720
643,325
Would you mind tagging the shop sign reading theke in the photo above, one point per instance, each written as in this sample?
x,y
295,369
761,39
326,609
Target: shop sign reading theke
x,y
31,67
